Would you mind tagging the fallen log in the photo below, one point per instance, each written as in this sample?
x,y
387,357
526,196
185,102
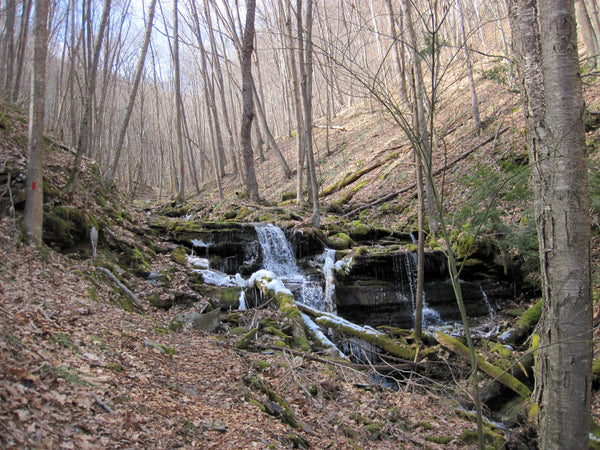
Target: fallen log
x,y
124,288
350,179
524,325
370,335
496,373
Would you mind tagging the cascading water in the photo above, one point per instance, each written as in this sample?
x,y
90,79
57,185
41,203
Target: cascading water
x,y
278,257
409,266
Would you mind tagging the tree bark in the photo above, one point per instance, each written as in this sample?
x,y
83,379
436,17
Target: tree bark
x,y
553,106
21,47
565,355
8,48
178,105
34,212
306,75
474,100
590,40
247,96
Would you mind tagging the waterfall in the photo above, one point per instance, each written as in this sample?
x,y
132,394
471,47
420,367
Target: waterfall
x,y
410,268
328,271
487,304
278,257
277,254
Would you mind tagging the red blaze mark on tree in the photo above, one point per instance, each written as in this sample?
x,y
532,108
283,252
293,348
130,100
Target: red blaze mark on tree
x,y
182,168
33,186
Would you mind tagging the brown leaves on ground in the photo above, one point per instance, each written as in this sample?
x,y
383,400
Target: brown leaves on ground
x,y
80,372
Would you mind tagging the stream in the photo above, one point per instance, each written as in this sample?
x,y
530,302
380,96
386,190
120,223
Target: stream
x,y
373,291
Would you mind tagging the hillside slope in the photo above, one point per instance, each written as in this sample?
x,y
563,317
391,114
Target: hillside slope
x,y
81,366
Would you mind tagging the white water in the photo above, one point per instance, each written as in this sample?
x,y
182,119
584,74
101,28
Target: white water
x,y
278,256
430,316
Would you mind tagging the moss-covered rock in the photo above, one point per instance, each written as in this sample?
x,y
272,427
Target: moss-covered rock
x,y
65,227
179,255
339,241
133,259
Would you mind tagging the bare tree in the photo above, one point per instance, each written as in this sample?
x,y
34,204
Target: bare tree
x,y
34,212
108,181
84,126
8,47
474,100
178,104
247,97
306,78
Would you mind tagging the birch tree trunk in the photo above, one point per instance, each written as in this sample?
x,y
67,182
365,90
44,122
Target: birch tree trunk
x,y
546,50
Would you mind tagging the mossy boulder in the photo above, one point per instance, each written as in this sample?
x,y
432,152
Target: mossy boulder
x,y
179,255
65,227
132,258
339,241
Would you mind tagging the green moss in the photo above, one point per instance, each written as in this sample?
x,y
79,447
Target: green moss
x,y
423,425
115,367
247,340
339,241
179,255
439,439
176,324
493,371
134,259
238,331
374,430
154,299
261,366
489,437
276,332
168,350
93,293
359,230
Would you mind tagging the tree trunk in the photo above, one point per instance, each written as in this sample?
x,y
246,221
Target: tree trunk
x,y
553,105
247,97
565,355
306,74
178,105
221,86
34,212
21,47
420,291
8,48
474,100
398,49
83,137
590,40
108,181
424,142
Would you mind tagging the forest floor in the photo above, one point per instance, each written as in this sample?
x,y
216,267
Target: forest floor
x,y
79,371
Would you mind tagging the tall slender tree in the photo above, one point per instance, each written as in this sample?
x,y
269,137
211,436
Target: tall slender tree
x,y
34,212
248,101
